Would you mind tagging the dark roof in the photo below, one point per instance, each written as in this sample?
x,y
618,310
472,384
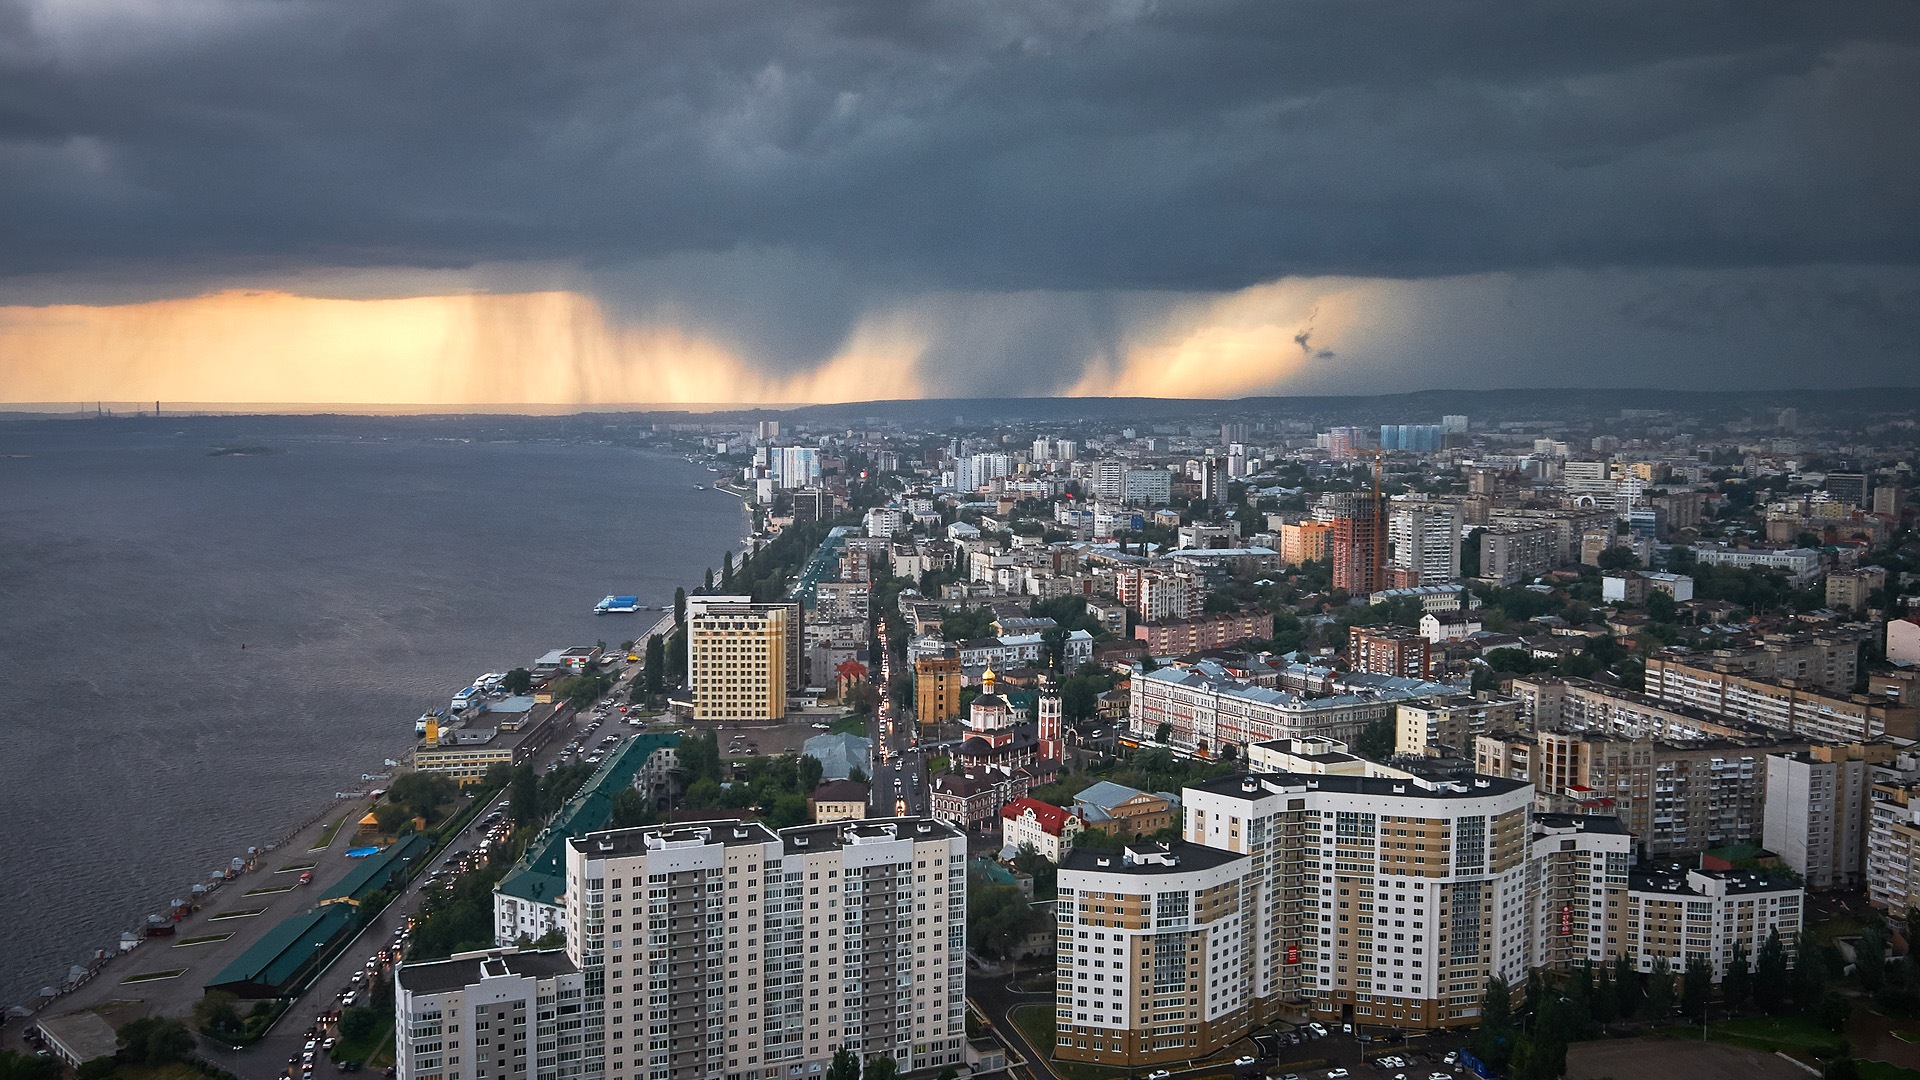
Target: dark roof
x,y
441,976
836,834
841,791
287,953
727,831
1237,785
1593,823
1185,857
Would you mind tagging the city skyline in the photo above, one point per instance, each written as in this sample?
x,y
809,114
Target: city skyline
x,y
273,202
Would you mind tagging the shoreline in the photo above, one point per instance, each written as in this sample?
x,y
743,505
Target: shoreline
x,y
252,855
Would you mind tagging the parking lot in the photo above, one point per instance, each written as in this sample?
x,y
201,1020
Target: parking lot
x,y
1305,1054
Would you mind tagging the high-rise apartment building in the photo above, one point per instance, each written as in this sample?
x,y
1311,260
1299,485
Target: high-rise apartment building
x,y
1513,554
1423,544
1389,650
795,466
742,657
1849,488
719,950
1358,547
498,1014
937,681
1816,814
1304,542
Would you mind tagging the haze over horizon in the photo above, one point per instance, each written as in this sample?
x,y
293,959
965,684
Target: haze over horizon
x,y
586,203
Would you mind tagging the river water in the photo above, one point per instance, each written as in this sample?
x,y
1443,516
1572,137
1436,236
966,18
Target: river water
x,y
198,649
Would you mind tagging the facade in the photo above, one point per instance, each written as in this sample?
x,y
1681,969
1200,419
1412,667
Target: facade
x,y
1357,547
1816,816
1893,848
1120,809
1852,590
1165,919
1430,597
1787,707
937,681
1306,542
1673,917
1389,650
1514,554
1800,564
1044,827
970,801
742,657
1582,705
1672,798
1432,727
1442,626
1434,878
1423,544
1213,631
761,954
1205,708
838,800
1903,640
499,1014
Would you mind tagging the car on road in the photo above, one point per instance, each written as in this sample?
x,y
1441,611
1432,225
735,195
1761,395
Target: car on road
x,y
1245,1059
1318,1031
1439,1076
1291,1076
1336,1074
1158,1074
1452,1058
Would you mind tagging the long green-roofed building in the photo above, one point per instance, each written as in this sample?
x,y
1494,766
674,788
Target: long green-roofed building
x,y
528,902
377,872
288,955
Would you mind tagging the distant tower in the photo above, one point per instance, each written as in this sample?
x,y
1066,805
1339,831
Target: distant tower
x,y
1050,747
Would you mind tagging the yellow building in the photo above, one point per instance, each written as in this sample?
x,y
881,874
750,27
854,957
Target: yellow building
x,y
1305,542
936,688
737,655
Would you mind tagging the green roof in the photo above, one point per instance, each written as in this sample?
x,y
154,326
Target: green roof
x,y
285,953
541,873
992,871
376,872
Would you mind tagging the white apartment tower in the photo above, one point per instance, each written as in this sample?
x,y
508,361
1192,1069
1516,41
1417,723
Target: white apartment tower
x,y
500,1014
721,951
1423,544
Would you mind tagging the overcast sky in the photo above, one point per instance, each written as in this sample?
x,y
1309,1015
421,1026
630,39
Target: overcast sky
x,y
803,199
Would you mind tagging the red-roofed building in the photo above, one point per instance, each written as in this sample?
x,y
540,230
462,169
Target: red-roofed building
x,y
1044,827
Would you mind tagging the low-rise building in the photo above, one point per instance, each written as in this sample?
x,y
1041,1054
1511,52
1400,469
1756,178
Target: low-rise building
x,y
1441,626
1389,650
1117,808
1436,727
1214,631
1042,827
838,800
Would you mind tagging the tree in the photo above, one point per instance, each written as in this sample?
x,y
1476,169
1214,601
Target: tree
x,y
1660,607
1835,1010
880,1068
1619,557
357,1024
998,918
517,681
1493,1040
811,772
1163,734
1376,740
656,665
1696,987
1739,981
1660,990
153,1040
1770,974
390,818
1626,987
218,1013
726,572
423,792
1605,1004
628,810
1841,1068
679,607
1870,956
28,1066
523,797
1220,603
845,1066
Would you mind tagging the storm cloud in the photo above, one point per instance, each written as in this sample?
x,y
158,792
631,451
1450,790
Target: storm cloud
x,y
1018,191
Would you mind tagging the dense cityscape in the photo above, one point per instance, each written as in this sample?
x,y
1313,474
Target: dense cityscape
x,y
1201,745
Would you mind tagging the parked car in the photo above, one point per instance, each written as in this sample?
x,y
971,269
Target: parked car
x,y
1336,1074
1245,1060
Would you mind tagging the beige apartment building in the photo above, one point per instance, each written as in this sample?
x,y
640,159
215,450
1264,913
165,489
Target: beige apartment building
x,y
1796,707
1673,798
741,657
720,950
1440,725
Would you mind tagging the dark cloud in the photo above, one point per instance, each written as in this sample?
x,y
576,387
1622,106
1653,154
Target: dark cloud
x,y
959,145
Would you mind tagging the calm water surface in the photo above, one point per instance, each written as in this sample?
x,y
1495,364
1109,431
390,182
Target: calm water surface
x,y
141,746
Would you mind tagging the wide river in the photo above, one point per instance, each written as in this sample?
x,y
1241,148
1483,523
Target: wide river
x,y
197,650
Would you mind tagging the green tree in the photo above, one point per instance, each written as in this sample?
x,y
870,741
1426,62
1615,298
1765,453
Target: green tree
x,y
153,1040
28,1066
523,796
518,681
1696,987
1376,740
1619,557
1770,975
1163,734
656,669
390,818
1834,1012
1493,1041
218,1013
1870,956
1660,607
1626,987
998,918
880,1068
845,1066
358,1024
726,572
679,607
810,772
1659,990
628,810
422,793
1220,602
1739,981
1605,1004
